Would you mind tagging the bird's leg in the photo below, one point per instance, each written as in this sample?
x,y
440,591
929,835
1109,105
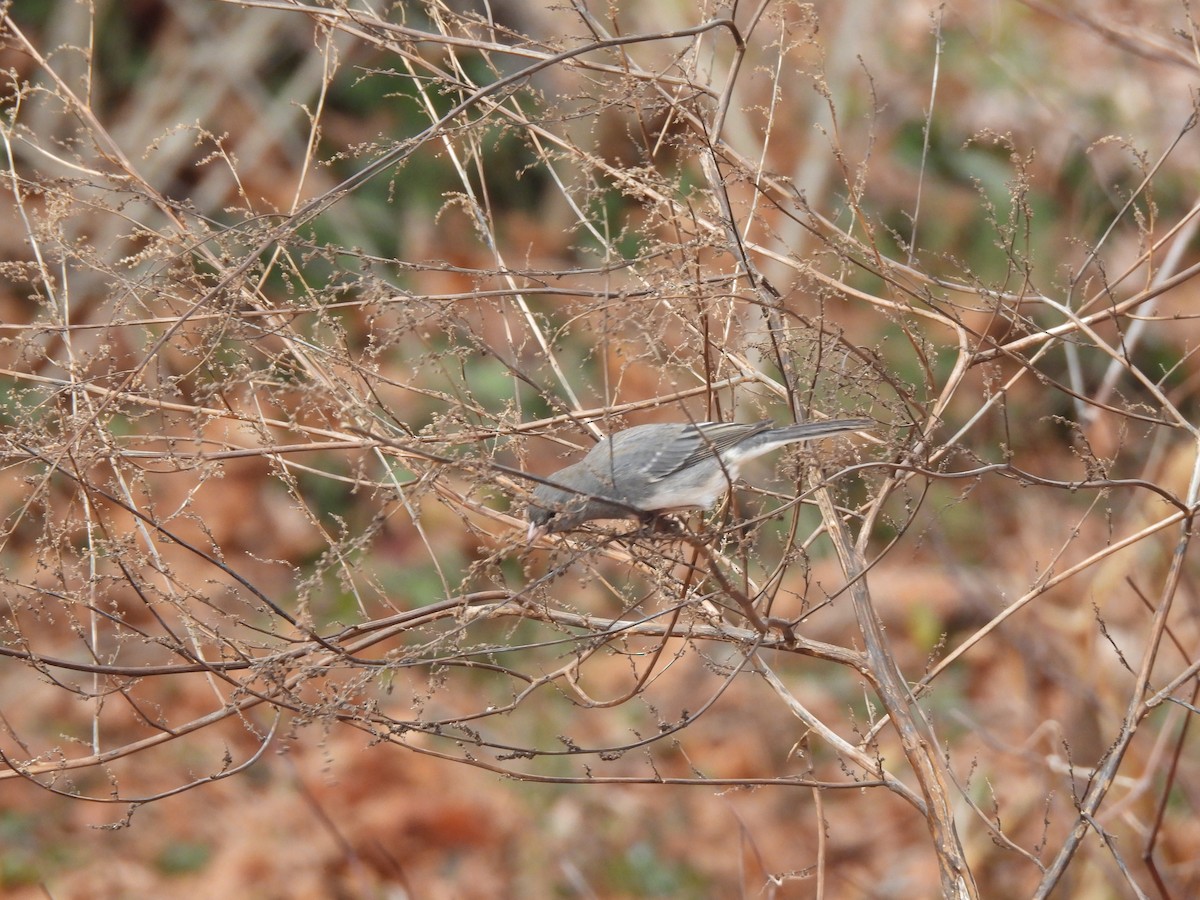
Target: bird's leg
x,y
670,525
653,523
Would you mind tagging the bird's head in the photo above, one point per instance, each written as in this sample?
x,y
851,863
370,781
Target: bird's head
x,y
553,509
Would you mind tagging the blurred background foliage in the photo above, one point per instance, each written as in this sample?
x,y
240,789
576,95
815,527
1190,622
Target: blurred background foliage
x,y
237,232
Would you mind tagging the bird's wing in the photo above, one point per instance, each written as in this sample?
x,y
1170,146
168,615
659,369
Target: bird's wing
x,y
696,443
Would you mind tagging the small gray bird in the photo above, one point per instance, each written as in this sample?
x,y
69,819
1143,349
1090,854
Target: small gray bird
x,y
649,469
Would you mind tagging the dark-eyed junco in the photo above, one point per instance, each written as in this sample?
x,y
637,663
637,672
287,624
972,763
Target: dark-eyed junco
x,y
649,469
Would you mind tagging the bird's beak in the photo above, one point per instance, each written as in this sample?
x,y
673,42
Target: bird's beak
x,y
535,531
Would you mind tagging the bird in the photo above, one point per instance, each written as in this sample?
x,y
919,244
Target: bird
x,y
647,470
